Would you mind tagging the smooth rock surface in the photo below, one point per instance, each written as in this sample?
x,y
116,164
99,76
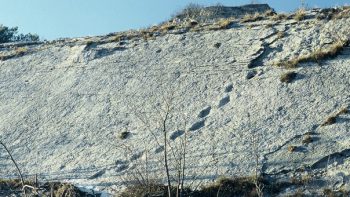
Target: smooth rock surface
x,y
64,106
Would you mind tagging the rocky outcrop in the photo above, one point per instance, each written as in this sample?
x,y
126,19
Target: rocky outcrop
x,y
212,13
216,12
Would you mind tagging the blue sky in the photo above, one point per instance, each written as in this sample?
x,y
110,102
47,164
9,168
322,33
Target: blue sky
x,y
73,18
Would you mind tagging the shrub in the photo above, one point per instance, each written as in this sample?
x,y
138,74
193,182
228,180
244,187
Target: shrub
x,y
152,189
14,188
241,186
66,190
26,37
288,77
192,11
8,34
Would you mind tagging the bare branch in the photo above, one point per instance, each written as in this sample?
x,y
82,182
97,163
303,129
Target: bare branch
x,y
14,162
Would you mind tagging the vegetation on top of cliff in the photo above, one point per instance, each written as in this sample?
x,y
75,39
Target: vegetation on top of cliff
x,y
10,34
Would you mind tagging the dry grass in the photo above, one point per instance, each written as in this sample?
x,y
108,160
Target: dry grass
x,y
332,51
329,121
145,190
221,24
288,77
118,38
146,35
292,148
307,139
278,17
14,188
293,63
269,25
328,192
66,190
241,186
270,13
315,56
89,43
252,18
21,51
298,193
224,23
344,110
4,57
344,13
305,179
333,119
167,27
10,184
299,15
280,34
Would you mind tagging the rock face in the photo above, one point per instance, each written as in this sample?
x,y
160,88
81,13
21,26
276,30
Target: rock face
x,y
217,12
65,104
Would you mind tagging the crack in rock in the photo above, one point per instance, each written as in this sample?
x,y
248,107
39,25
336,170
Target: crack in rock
x,y
264,51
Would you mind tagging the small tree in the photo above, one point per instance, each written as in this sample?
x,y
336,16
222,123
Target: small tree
x,y
7,34
10,34
26,37
192,11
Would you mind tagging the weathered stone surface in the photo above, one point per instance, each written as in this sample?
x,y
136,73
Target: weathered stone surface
x,y
64,104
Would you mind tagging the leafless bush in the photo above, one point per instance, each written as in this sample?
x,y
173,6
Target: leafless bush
x,y
159,123
256,154
192,11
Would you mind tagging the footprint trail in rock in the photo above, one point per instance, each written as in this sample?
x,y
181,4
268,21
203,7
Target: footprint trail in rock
x,y
202,115
224,100
204,112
